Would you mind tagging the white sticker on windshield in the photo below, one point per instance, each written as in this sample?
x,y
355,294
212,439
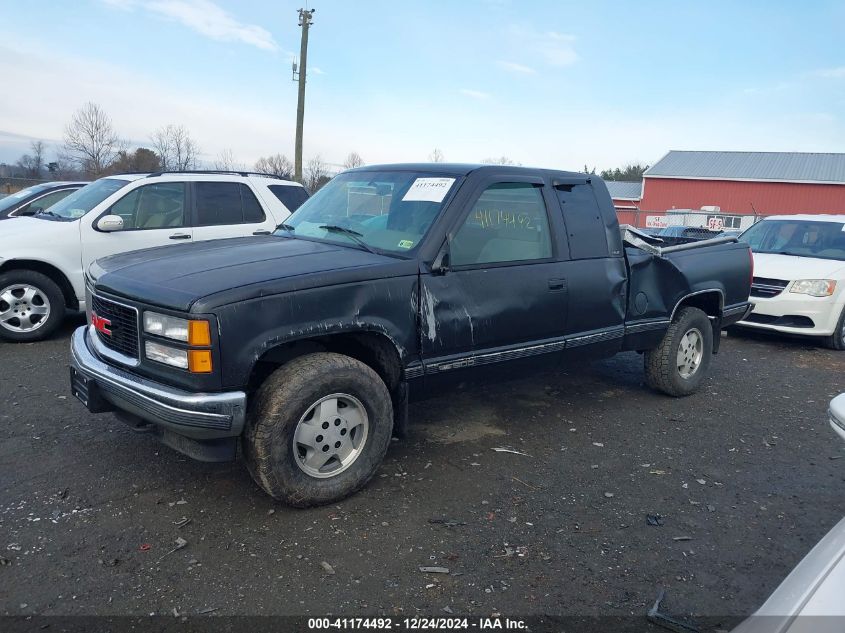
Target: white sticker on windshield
x,y
428,190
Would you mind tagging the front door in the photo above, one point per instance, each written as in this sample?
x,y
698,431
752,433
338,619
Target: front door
x,y
504,295
153,215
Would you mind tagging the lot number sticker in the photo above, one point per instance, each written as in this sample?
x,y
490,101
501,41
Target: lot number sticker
x,y
428,190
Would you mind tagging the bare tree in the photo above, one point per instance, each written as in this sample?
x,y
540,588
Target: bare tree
x,y
276,164
226,161
175,148
316,174
353,160
436,156
499,160
90,139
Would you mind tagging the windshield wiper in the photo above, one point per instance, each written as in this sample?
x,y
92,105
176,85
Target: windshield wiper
x,y
50,213
285,227
354,235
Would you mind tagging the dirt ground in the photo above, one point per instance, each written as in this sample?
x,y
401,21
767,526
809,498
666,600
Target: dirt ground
x,y
748,471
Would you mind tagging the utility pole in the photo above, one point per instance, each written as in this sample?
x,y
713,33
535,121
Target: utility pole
x,y
304,23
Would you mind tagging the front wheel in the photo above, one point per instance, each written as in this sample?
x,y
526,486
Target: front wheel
x,y
32,306
318,429
837,339
678,365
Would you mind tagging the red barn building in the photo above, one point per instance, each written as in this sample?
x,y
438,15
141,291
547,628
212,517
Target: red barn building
x,y
750,184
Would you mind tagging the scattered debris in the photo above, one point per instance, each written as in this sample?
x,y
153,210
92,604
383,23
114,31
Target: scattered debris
x,y
701,481
835,457
181,502
448,609
145,547
681,538
517,479
182,522
4,562
514,550
180,544
654,519
661,619
208,610
657,472
434,570
447,522
502,449
599,444
327,568
711,508
271,512
609,495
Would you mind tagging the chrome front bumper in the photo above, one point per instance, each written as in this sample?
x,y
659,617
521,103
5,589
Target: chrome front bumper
x,y
201,416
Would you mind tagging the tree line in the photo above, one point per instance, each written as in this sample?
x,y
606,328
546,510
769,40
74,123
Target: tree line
x,y
91,148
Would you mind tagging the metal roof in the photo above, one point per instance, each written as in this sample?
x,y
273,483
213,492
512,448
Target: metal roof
x,y
624,190
765,166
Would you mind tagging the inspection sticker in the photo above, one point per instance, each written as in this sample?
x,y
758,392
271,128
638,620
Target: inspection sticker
x,y
428,190
406,244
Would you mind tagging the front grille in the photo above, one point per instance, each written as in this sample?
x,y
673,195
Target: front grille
x,y
767,288
124,326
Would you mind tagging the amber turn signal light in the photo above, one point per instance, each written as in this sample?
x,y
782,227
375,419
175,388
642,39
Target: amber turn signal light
x,y
199,334
199,361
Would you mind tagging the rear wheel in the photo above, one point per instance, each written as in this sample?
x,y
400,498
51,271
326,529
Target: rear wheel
x,y
678,365
31,306
837,339
318,430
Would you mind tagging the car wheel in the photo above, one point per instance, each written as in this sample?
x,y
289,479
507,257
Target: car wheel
x,y
679,363
837,339
317,429
31,306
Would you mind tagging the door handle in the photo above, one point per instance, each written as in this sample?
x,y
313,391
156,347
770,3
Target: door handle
x,y
557,284
261,232
180,236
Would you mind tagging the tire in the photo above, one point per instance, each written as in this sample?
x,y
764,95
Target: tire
x,y
279,459
32,306
837,339
664,370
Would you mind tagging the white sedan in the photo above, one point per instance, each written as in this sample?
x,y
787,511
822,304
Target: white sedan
x,y
799,276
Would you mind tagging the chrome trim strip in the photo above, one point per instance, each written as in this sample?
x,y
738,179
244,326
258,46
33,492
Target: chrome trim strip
x,y
599,337
414,371
646,326
693,294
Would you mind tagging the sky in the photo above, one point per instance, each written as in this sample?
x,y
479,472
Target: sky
x,y
548,83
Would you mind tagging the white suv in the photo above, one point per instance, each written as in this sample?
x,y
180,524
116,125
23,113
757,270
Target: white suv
x,y
43,258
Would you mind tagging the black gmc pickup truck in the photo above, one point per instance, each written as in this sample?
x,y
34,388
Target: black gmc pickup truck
x,y
392,282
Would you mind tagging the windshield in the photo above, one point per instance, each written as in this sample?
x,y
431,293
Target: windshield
x,y
801,238
387,211
83,200
11,200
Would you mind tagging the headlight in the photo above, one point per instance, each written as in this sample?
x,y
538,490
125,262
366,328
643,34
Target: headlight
x,y
166,354
813,287
194,332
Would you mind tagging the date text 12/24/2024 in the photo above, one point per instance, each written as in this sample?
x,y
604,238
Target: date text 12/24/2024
x,y
417,624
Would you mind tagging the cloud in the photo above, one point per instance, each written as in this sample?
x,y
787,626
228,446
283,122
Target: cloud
x,y
831,73
517,68
475,94
204,17
549,47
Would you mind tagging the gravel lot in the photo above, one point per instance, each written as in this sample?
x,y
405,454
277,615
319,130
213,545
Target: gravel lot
x,y
748,469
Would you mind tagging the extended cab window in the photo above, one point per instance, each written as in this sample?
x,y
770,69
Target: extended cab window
x,y
223,203
157,206
584,224
507,223
289,195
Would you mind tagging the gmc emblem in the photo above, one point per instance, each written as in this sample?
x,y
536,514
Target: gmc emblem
x,y
100,324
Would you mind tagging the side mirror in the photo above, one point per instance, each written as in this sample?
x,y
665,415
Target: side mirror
x,y
110,223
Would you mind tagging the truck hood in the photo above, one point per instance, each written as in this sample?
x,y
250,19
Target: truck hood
x,y
201,276
790,267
